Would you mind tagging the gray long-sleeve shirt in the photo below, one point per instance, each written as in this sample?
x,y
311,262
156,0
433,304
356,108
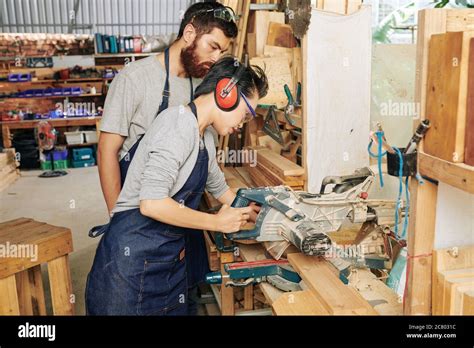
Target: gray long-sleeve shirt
x,y
166,157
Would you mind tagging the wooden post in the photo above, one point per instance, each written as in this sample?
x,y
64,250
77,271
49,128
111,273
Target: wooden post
x,y
248,298
61,286
227,292
9,299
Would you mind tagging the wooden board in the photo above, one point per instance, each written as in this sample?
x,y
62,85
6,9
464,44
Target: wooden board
x,y
260,25
280,35
439,286
383,299
278,73
278,164
337,120
469,150
458,299
448,262
451,286
299,303
468,303
446,98
337,298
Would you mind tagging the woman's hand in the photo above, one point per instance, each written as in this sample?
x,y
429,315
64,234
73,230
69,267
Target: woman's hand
x,y
254,212
230,219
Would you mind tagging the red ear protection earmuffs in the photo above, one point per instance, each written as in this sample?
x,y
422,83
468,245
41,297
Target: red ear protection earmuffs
x,y
227,92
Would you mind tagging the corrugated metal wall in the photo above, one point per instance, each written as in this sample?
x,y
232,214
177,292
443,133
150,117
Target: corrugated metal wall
x,y
119,17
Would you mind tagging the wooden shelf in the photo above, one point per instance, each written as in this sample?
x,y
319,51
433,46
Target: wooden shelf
x,y
58,96
84,79
120,55
458,175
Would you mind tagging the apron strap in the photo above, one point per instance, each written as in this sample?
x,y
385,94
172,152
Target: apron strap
x,y
166,89
193,108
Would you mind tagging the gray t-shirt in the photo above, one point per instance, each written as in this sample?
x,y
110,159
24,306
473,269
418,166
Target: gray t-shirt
x,y
166,157
135,96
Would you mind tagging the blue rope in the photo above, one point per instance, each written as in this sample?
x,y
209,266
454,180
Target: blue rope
x,y
379,155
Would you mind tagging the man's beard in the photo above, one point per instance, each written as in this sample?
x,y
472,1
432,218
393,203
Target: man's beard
x,y
190,61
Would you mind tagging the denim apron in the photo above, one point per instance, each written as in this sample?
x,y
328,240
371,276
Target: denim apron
x,y
127,159
143,266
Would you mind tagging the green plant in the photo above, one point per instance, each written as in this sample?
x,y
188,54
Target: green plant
x,y
396,18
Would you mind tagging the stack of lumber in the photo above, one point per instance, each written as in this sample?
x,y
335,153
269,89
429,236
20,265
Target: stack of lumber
x,y
8,168
273,170
453,281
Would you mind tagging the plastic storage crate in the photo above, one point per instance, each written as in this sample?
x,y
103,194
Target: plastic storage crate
x,y
90,136
74,138
83,154
84,163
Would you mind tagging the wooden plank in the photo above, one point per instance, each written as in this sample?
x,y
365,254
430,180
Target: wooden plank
x,y
468,303
260,26
383,299
248,297
420,245
24,293
8,296
453,258
451,285
337,298
245,176
251,45
61,286
37,290
278,164
278,73
438,294
446,98
212,257
458,175
451,261
469,150
460,20
226,292
458,299
299,303
242,26
280,35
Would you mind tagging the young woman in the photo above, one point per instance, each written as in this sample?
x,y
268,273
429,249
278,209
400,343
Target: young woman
x,y
150,245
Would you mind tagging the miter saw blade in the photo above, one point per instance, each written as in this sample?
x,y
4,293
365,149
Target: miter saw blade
x,y
299,16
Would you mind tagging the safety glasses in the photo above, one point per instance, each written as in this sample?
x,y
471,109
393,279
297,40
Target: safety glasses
x,y
251,112
226,14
